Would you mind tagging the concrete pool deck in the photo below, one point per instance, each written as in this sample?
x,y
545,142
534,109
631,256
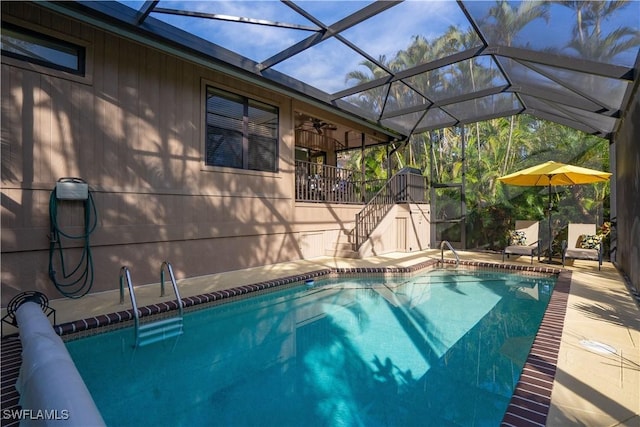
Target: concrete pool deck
x,y
597,381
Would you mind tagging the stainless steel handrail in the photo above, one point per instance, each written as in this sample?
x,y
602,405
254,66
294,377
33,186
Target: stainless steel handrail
x,y
173,282
124,273
446,243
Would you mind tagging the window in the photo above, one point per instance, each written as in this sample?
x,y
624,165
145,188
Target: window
x,y
241,132
41,49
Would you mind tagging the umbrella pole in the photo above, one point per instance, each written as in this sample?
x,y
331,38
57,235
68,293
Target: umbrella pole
x,y
550,237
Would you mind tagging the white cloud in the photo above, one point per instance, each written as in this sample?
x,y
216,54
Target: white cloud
x,y
254,41
326,65
394,29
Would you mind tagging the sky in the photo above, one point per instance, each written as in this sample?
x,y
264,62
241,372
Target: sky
x,y
326,65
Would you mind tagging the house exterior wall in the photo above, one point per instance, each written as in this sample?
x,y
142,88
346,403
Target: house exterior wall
x,y
132,128
627,194
406,228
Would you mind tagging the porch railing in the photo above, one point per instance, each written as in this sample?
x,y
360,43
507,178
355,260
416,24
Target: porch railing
x,y
316,182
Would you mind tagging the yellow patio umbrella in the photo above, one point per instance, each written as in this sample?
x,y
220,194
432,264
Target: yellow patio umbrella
x,y
554,173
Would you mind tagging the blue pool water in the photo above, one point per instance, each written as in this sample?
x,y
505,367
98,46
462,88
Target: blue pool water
x,y
441,349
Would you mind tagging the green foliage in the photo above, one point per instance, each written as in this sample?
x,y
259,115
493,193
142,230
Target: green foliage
x,y
493,207
479,153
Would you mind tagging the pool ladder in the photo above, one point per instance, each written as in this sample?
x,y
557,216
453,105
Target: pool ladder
x,y
150,332
442,245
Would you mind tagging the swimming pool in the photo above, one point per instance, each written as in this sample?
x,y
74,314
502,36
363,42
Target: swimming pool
x,y
443,348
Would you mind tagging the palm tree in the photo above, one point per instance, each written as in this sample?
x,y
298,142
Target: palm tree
x,y
588,38
502,145
372,100
502,25
503,21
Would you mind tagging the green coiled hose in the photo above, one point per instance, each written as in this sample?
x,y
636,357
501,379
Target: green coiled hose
x,y
77,282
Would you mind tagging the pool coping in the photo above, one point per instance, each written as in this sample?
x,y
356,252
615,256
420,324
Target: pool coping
x,y
104,320
531,399
529,405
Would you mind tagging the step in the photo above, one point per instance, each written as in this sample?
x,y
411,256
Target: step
x,y
344,246
156,338
346,238
158,323
159,330
152,332
346,235
342,253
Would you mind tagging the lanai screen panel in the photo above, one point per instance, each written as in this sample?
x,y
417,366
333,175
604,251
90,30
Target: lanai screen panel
x,y
413,65
587,30
255,37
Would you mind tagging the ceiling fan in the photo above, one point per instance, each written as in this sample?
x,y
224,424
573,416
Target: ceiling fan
x,y
312,123
320,125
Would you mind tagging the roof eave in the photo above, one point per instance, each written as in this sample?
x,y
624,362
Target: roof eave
x,y
121,20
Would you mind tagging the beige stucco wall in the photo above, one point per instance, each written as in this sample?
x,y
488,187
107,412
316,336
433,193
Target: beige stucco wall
x,y
406,228
133,129
327,230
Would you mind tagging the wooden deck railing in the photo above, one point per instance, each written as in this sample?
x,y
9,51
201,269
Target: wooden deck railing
x,y
322,183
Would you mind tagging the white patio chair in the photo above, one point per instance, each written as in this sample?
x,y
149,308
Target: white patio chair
x,y
580,245
529,244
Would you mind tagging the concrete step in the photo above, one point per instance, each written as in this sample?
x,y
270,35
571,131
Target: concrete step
x,y
341,253
346,237
346,246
